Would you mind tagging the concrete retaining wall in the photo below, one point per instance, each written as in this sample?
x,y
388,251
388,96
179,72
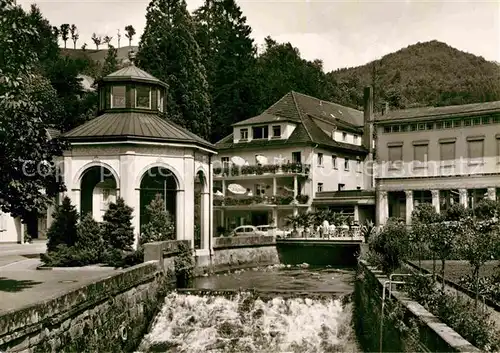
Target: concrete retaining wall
x,y
228,253
109,315
408,326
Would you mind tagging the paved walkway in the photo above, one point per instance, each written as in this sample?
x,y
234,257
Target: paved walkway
x,y
21,284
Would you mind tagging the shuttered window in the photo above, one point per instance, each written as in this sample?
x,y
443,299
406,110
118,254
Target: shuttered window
x,y
395,153
476,149
447,151
421,152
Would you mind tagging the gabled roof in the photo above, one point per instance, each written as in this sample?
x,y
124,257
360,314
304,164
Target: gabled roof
x,y
132,73
426,113
293,105
315,120
126,126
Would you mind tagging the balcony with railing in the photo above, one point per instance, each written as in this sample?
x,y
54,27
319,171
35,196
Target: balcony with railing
x,y
245,201
260,170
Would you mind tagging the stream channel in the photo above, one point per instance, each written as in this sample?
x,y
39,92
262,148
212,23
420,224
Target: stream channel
x,y
275,309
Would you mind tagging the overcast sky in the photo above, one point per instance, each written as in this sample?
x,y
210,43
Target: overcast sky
x,y
341,33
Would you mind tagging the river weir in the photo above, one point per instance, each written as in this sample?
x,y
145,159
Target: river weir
x,y
274,309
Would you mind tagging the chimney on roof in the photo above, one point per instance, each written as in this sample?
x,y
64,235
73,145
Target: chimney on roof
x,y
368,118
131,57
368,136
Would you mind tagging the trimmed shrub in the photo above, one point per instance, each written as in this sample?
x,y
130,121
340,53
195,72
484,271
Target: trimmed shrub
x,y
117,230
62,231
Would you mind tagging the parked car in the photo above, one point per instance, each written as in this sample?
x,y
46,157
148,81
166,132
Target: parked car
x,y
268,230
246,230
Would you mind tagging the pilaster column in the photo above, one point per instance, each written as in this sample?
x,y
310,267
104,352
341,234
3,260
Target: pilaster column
x,y
295,186
462,197
274,186
130,192
492,194
223,187
180,218
435,200
382,207
205,222
76,199
356,214
409,205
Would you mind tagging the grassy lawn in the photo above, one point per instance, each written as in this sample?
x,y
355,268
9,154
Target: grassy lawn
x,y
459,268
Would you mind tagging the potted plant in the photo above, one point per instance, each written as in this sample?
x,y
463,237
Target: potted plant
x,y
295,222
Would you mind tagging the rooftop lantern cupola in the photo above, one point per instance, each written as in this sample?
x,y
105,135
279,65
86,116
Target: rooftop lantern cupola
x,y
131,89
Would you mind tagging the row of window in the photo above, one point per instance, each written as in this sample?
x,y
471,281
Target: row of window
x,y
261,132
445,124
447,150
334,162
340,187
354,138
142,99
447,198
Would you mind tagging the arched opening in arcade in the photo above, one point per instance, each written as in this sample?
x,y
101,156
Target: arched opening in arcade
x,y
98,188
158,181
201,202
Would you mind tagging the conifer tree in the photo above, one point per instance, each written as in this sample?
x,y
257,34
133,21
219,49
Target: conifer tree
x,y
110,62
88,233
168,50
117,230
160,226
63,228
229,56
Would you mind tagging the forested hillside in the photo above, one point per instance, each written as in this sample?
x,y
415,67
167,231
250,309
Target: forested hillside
x,y
424,74
217,78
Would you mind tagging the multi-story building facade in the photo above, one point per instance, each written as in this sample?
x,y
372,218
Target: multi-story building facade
x,y
441,155
280,162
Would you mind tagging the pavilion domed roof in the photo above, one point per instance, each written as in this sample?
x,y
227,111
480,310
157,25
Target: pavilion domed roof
x,y
127,126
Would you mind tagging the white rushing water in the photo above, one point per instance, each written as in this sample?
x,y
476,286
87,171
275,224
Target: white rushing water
x,y
196,324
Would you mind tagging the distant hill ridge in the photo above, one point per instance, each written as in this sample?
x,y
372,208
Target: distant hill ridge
x,y
424,74
98,55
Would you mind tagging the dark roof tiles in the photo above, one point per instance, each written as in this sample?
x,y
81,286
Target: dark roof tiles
x,y
133,125
312,116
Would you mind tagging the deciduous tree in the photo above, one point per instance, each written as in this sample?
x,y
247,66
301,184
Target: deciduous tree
x,y
65,28
107,40
97,40
479,241
29,177
74,35
130,34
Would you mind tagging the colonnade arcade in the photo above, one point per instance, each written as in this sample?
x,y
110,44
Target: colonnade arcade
x,y
96,184
400,203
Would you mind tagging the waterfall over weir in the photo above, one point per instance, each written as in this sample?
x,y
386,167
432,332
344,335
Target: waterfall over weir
x,y
248,322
